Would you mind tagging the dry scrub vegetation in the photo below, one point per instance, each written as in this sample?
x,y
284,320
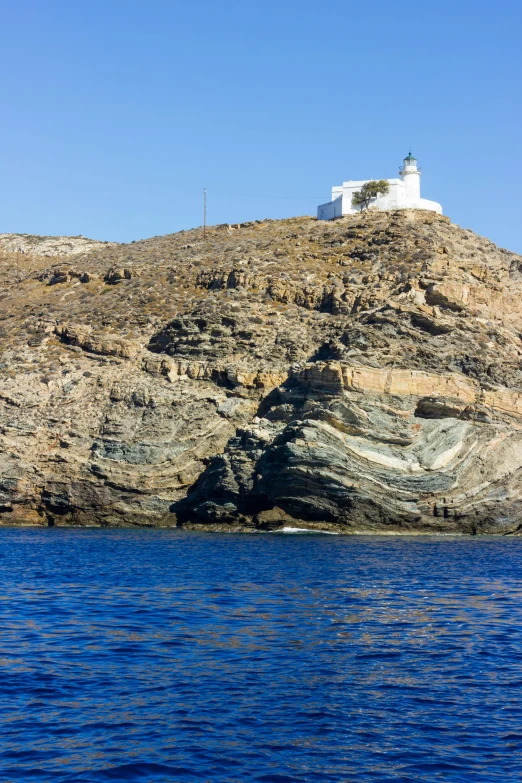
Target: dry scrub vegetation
x,y
284,277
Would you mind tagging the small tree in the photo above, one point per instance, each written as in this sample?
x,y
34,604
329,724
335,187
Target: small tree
x,y
361,198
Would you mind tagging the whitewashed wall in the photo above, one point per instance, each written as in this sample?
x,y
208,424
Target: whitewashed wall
x,y
401,195
331,209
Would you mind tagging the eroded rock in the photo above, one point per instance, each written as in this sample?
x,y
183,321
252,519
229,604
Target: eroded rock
x,y
363,375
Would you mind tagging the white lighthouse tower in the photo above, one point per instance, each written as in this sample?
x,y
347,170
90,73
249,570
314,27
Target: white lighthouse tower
x,y
410,175
403,193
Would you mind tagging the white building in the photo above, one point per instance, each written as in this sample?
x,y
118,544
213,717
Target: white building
x,y
404,193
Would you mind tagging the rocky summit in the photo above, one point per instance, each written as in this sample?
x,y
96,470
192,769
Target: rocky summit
x,y
358,375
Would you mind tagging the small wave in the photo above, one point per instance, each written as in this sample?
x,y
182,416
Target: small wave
x,y
305,530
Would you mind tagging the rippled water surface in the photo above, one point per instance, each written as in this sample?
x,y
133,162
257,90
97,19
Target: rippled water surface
x,y
170,656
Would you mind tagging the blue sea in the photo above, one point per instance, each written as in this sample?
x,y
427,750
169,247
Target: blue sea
x,y
143,655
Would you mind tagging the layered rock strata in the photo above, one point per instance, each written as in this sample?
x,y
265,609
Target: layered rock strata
x,y
363,375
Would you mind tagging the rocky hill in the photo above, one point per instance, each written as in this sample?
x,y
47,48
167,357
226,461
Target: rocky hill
x,y
361,375
48,246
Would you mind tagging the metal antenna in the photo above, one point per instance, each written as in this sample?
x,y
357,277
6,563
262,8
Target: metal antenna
x,y
204,213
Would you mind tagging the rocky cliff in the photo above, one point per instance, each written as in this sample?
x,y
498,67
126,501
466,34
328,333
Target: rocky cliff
x,y
362,375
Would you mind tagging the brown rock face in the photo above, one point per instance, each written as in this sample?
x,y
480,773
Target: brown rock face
x,y
362,375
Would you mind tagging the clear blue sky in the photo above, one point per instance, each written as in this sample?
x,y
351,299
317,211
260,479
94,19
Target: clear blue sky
x,y
116,113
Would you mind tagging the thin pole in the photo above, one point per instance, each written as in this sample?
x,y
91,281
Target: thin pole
x,y
204,213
